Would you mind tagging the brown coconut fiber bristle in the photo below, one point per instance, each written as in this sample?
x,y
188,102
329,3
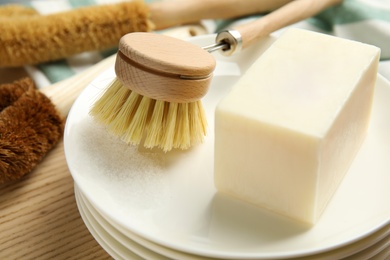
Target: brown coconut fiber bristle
x,y
30,126
16,10
40,38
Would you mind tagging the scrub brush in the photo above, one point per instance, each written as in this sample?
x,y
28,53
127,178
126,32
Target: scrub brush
x,y
171,114
29,127
155,98
32,120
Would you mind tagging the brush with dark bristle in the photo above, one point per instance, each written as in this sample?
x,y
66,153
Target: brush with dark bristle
x,y
155,98
30,126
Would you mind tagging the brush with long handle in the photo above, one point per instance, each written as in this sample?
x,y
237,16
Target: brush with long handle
x,y
155,98
32,39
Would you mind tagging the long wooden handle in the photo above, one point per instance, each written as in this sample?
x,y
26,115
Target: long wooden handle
x,y
165,14
288,14
65,92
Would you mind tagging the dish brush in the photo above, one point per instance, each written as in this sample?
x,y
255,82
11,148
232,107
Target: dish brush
x,y
155,98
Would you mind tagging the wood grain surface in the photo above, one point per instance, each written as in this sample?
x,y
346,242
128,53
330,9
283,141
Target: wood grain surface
x,y
39,218
164,68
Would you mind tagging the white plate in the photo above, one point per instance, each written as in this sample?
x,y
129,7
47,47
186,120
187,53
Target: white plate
x,y
142,247
112,247
364,248
170,199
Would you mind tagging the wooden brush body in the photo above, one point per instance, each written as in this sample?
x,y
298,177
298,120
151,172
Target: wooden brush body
x,y
164,68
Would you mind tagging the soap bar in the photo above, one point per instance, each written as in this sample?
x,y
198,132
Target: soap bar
x,y
290,128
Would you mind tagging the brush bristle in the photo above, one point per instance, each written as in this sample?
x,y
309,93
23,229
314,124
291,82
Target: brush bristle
x,y
30,126
157,123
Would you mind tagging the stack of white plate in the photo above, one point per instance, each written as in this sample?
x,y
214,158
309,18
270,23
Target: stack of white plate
x,y
145,204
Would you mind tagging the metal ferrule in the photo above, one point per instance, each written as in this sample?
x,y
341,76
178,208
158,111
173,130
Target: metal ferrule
x,y
233,39
228,42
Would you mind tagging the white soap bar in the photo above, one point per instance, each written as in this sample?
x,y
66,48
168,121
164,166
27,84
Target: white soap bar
x,y
288,131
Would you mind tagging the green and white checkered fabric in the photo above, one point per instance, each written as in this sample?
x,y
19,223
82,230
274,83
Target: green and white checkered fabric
x,y
366,21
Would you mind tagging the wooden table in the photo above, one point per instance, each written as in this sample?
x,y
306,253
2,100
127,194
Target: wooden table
x,y
39,218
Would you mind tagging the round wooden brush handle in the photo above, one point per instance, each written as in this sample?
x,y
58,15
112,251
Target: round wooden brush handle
x,y
169,13
288,14
163,68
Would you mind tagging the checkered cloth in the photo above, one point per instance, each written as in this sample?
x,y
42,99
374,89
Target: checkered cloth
x,y
366,21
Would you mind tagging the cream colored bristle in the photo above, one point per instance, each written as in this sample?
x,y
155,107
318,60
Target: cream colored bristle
x,y
123,118
139,122
198,122
169,123
182,138
166,125
108,105
154,134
